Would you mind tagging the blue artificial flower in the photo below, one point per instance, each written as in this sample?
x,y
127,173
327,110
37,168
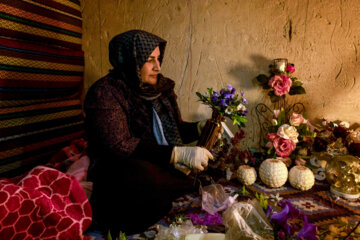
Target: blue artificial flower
x,y
227,95
221,92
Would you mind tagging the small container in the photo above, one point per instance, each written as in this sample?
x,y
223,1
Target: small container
x,y
273,172
246,175
343,175
301,177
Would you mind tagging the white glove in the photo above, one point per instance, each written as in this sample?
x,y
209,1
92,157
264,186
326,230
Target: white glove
x,y
192,157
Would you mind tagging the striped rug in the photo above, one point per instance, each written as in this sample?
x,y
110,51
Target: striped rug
x,y
41,80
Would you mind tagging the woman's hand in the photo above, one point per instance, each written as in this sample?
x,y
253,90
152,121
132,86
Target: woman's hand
x,y
192,157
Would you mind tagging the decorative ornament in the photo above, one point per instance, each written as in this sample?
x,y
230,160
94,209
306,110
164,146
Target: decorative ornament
x,y
273,172
301,177
224,103
246,175
343,174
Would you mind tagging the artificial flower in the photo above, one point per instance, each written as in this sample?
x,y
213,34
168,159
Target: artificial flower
x,y
308,231
283,147
226,103
300,161
288,132
205,218
290,68
297,119
274,122
285,160
281,84
354,136
344,124
340,132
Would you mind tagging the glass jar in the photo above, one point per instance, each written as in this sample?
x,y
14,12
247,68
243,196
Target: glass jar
x,y
343,175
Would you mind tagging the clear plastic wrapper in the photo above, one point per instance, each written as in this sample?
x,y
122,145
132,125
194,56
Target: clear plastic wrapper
x,y
214,198
178,231
247,221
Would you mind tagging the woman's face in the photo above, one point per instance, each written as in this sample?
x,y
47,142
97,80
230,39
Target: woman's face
x,y
151,68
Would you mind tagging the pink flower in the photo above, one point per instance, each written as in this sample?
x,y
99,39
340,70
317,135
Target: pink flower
x,y
283,147
281,84
290,68
297,119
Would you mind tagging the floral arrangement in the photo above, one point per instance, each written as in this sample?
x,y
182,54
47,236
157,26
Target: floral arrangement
x,y
226,103
290,223
289,139
337,138
281,82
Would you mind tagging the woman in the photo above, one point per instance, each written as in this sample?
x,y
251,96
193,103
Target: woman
x,y
135,135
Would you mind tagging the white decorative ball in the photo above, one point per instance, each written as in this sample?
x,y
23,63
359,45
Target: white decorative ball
x,y
301,177
273,172
246,175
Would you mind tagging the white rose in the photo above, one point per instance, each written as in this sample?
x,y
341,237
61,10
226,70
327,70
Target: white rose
x,y
241,107
344,124
288,132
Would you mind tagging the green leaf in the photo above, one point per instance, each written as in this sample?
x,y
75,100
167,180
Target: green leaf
x,y
281,117
262,79
297,90
297,84
109,235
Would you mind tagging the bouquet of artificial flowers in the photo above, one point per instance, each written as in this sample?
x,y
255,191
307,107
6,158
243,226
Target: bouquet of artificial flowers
x,y
281,82
227,104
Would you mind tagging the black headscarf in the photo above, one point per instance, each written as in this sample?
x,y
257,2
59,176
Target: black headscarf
x,y
128,52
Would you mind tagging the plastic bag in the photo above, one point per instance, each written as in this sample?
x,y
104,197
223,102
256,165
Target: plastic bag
x,y
178,231
247,221
214,198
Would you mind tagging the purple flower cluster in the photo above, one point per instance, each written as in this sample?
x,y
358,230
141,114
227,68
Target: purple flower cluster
x,y
227,104
205,218
288,221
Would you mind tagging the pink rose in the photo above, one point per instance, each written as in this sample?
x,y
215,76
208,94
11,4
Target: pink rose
x,y
297,119
283,147
281,84
290,68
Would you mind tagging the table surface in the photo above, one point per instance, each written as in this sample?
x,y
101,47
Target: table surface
x,y
320,206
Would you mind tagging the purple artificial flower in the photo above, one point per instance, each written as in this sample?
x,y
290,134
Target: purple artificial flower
x,y
216,94
281,217
227,95
229,87
222,103
269,211
221,92
287,213
214,98
308,231
205,218
245,101
242,94
233,91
